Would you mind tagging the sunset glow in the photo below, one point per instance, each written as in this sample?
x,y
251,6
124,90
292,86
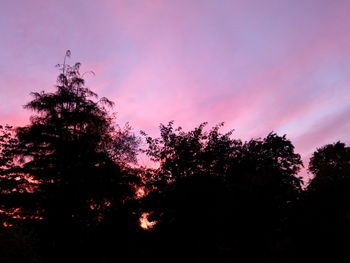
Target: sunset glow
x,y
15,214
145,223
140,192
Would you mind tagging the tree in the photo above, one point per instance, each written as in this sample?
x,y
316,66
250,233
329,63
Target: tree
x,y
188,188
269,167
12,187
181,154
77,157
265,187
219,193
330,164
325,206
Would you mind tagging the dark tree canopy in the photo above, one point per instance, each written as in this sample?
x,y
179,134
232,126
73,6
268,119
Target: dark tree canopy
x,y
13,187
269,161
182,154
323,218
76,157
71,143
329,189
330,164
213,188
270,167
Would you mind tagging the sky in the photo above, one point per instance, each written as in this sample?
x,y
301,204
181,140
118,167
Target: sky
x,y
258,66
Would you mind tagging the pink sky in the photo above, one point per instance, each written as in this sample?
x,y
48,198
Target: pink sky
x,y
259,66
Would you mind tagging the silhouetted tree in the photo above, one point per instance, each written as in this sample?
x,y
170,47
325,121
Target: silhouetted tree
x,y
330,165
326,204
266,173
13,188
219,198
189,181
78,159
265,186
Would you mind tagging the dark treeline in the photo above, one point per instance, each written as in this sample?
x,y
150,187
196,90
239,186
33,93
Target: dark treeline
x,y
70,190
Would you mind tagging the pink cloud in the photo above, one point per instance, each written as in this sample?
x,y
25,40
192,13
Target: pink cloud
x,y
327,130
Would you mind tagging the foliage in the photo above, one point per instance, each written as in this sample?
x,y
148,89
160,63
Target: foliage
x,y
212,188
182,154
330,164
76,157
324,210
13,188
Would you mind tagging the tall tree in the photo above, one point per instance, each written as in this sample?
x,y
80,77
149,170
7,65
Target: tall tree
x,y
77,157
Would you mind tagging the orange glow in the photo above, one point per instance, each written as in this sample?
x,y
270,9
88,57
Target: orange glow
x,y
140,192
15,214
144,223
32,180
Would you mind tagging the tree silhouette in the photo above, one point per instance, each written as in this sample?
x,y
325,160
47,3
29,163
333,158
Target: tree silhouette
x,y
325,206
78,158
218,198
330,164
13,188
265,186
187,204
